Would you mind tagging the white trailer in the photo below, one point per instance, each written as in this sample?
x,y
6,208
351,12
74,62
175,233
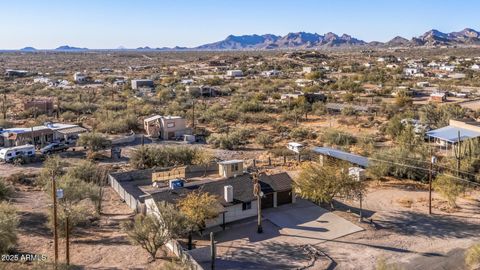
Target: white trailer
x,y
9,154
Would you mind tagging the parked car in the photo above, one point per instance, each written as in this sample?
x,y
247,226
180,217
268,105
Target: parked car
x,y
17,152
53,147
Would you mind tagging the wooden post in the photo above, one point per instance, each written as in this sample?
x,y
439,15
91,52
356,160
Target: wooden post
x,y
212,251
269,161
67,240
55,233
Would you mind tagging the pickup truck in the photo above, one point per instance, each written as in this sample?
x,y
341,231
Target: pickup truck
x,y
53,147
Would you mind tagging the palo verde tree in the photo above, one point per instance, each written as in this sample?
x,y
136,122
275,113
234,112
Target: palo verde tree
x,y
198,207
322,183
151,232
449,188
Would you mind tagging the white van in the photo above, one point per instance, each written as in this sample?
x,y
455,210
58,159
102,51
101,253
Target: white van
x,y
9,154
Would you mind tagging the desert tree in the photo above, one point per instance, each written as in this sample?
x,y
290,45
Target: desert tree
x,y
449,188
321,183
198,207
264,139
204,158
151,232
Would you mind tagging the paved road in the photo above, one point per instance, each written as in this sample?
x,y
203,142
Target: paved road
x,y
453,260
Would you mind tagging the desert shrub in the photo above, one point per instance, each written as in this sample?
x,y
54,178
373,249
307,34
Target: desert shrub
x,y
449,187
472,257
301,133
68,116
340,138
8,227
167,156
398,162
5,190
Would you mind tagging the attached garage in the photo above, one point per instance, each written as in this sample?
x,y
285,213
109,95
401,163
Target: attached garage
x,y
284,197
267,201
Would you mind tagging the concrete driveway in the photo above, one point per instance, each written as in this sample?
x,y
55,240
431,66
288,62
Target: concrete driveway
x,y
286,231
307,223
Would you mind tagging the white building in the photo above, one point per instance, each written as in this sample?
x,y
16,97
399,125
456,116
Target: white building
x,y
234,73
137,84
80,77
410,71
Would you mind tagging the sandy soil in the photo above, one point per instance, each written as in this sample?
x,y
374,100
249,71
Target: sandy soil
x,y
406,235
99,246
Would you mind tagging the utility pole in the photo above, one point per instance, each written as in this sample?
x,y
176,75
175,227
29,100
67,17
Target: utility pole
x,y
67,239
430,172
258,193
213,251
55,232
193,115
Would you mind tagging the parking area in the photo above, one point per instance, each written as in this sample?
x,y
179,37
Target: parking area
x,y
286,232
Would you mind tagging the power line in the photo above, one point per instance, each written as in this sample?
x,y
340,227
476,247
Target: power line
x,y
425,169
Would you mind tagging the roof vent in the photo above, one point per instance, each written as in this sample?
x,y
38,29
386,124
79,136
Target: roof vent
x,y
228,193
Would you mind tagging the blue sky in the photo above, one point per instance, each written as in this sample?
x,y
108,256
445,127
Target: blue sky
x,y
134,23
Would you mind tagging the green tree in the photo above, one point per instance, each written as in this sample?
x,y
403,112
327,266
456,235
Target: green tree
x,y
322,183
264,139
93,141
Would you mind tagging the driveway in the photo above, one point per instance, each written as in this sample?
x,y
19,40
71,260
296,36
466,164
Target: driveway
x,y
286,231
306,223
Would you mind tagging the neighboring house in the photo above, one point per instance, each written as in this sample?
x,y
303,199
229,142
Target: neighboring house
x,y
165,127
438,97
410,71
12,73
447,68
80,77
38,105
271,73
449,135
307,69
41,135
234,73
475,67
304,82
137,84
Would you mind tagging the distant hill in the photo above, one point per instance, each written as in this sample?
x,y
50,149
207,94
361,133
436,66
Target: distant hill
x,y
305,40
28,49
291,40
69,48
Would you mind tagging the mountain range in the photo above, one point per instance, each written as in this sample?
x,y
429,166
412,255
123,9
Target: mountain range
x,y
304,40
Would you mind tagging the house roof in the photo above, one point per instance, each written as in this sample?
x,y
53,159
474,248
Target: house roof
x,y
450,134
242,188
152,118
338,154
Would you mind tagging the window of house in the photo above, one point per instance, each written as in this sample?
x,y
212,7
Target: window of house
x,y
171,124
246,206
235,167
9,154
